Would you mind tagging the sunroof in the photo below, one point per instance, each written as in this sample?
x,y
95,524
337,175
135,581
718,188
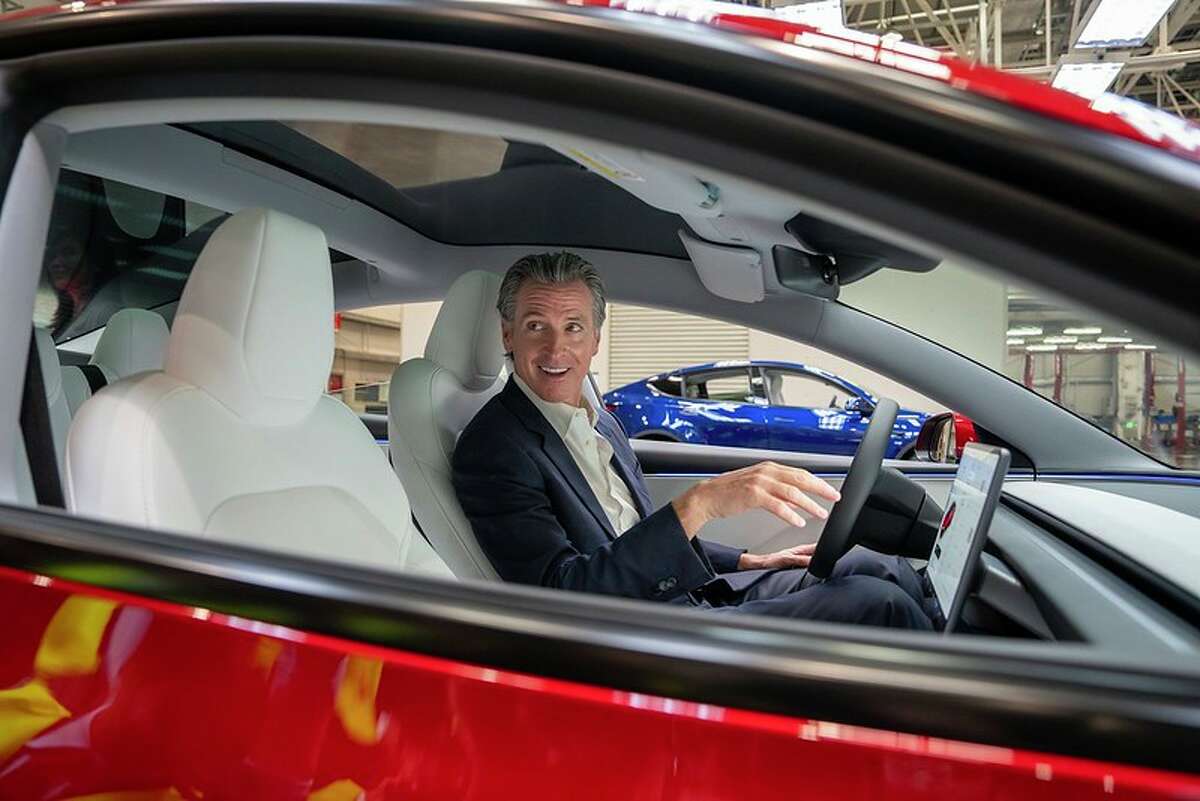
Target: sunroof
x,y
407,157
459,189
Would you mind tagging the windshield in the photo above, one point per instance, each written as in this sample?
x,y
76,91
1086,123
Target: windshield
x,y
1131,385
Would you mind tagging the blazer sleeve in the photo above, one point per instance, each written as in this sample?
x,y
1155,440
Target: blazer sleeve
x,y
724,558
503,494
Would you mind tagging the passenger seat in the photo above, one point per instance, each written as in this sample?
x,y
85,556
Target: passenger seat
x,y
430,402
235,439
134,341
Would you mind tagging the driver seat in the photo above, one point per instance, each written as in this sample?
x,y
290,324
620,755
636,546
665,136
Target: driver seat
x,y
235,439
430,402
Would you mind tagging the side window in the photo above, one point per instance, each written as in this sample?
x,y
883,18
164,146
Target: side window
x,y
721,385
367,348
112,245
669,385
641,348
787,388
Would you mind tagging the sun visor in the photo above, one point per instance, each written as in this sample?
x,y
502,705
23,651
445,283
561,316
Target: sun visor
x,y
854,255
727,272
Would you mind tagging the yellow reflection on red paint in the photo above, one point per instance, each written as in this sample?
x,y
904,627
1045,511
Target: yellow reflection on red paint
x,y
71,643
355,699
70,646
341,790
24,712
266,651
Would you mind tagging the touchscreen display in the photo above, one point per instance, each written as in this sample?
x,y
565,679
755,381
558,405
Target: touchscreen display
x,y
969,508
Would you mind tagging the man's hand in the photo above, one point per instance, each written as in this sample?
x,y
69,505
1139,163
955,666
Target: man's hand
x,y
799,556
779,489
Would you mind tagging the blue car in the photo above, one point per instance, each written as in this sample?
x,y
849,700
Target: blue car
x,y
756,404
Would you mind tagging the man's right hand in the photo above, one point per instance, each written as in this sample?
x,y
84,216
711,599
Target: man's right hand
x,y
779,489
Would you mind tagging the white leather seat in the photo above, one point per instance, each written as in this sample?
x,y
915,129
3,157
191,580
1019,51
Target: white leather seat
x,y
56,398
430,402
134,341
60,417
235,439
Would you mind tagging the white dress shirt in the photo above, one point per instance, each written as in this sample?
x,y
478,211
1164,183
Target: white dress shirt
x,y
592,453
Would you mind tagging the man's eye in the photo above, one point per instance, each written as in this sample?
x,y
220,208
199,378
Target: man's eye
x,y
534,326
574,328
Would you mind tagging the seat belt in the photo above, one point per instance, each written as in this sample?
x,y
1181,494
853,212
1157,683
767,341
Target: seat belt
x,y
39,438
95,377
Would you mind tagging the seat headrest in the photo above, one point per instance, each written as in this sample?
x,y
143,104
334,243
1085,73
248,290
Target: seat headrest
x,y
254,327
466,334
134,341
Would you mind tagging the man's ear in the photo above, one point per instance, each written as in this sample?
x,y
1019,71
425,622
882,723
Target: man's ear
x,y
506,335
596,345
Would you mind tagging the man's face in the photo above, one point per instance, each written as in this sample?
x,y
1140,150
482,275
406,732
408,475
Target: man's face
x,y
553,337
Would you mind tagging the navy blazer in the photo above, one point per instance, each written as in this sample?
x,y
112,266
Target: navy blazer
x,y
540,523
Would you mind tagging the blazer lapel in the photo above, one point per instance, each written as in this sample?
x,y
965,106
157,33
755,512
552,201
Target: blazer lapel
x,y
556,450
622,454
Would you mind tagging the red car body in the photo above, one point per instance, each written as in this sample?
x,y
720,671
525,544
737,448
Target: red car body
x,y
113,696
232,708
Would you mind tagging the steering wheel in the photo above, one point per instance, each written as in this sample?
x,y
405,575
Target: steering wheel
x,y
836,537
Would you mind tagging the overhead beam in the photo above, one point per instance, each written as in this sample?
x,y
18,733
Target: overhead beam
x,y
1152,62
951,39
1076,7
954,21
916,31
1191,98
1184,11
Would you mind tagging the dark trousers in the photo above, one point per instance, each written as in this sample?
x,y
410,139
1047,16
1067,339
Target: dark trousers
x,y
865,587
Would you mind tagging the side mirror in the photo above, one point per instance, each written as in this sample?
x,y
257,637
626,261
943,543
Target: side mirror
x,y
936,440
860,405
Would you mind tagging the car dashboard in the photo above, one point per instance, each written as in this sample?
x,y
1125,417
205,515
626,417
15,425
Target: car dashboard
x,y
1051,571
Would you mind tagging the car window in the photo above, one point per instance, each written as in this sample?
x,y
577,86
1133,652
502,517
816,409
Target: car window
x,y
1131,385
669,385
111,246
721,385
791,388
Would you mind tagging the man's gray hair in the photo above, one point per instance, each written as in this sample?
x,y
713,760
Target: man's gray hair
x,y
563,267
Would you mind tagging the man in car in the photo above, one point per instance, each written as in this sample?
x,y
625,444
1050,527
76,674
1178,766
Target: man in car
x,y
556,497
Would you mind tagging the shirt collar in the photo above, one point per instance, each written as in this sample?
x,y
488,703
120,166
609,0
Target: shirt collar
x,y
559,415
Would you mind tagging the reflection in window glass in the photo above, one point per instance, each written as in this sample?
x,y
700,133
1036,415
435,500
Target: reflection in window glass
x,y
407,157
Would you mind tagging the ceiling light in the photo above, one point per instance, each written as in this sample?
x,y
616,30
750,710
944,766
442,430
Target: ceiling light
x,y
1016,341
1115,340
1025,331
825,14
1083,331
1088,80
1122,23
1041,348
1141,347
1091,346
1060,340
